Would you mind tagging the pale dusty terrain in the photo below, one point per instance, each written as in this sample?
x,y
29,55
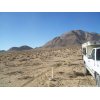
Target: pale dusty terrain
x,y
34,68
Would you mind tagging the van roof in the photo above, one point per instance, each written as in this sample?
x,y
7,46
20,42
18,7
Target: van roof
x,y
91,43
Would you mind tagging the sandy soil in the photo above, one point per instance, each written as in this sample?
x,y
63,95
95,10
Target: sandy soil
x,y
34,68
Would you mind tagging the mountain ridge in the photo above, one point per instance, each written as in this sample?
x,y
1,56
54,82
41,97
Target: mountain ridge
x,y
74,37
21,48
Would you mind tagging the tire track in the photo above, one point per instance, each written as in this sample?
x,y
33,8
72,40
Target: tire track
x,y
33,78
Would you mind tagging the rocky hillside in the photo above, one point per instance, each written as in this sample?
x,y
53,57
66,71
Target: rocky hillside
x,y
20,48
74,37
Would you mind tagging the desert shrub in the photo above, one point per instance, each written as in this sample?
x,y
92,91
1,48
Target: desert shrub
x,y
24,59
57,64
36,63
25,77
14,73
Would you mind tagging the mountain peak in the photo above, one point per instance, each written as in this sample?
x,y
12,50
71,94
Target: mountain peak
x,y
78,30
74,37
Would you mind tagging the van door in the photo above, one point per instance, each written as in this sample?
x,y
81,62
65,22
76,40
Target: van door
x,y
97,61
91,60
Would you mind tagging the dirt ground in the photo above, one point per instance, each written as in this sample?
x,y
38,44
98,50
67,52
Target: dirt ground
x,y
60,67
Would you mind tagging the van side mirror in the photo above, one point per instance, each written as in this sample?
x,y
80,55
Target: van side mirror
x,y
89,57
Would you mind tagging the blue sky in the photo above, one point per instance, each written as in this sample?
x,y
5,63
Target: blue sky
x,y
35,29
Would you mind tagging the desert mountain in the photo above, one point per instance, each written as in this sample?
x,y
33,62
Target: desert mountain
x,y
20,48
2,51
74,37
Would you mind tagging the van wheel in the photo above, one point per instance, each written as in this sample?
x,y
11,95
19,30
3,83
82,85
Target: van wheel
x,y
86,72
97,80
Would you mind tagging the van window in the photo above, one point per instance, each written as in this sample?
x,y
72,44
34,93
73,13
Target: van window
x,y
98,54
93,54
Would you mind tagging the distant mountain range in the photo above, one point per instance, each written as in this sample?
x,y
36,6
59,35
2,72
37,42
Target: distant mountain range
x,y
1,51
73,38
25,47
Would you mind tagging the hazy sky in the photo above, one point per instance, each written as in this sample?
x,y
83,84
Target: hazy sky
x,y
35,29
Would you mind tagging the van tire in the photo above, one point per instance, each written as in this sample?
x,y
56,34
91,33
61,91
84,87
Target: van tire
x,y
97,80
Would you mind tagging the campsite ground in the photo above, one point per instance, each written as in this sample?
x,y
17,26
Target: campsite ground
x,y
34,68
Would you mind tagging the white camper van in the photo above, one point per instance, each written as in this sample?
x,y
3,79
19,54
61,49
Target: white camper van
x,y
91,57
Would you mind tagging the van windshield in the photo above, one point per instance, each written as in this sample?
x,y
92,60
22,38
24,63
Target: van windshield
x,y
98,54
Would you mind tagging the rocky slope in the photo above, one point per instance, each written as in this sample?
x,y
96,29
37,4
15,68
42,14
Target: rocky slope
x,y
74,37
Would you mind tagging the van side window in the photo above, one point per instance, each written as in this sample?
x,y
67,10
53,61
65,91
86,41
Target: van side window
x,y
98,54
93,54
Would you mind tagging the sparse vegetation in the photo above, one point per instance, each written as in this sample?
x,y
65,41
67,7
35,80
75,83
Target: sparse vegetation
x,y
33,68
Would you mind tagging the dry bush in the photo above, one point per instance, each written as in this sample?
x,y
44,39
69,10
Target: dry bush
x,y
57,64
24,59
25,77
36,63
